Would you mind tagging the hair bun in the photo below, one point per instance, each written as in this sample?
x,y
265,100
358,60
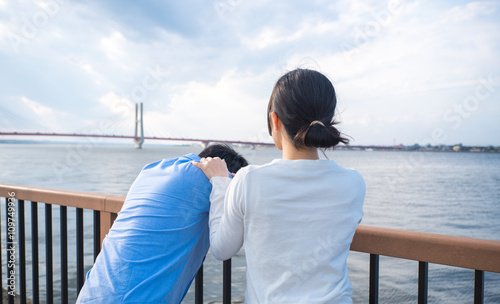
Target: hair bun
x,y
319,135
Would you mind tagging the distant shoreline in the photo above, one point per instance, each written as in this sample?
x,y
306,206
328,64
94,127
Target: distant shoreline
x,y
402,148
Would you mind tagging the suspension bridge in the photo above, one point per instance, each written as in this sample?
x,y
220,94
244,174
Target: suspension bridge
x,y
138,137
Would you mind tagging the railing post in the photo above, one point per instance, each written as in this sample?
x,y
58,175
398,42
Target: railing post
x,y
479,287
34,251
226,282
107,219
374,276
64,253
80,276
423,271
49,282
97,233
198,286
22,252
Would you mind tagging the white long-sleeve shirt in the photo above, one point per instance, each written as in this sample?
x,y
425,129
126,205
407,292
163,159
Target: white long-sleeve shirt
x,y
297,219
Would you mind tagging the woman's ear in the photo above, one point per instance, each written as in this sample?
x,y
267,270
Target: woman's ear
x,y
276,121
276,130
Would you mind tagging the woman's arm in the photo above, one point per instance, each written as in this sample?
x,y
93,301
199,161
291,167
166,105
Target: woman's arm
x,y
225,219
226,214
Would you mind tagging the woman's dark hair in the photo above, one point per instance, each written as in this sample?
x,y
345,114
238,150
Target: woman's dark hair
x,y
234,160
304,100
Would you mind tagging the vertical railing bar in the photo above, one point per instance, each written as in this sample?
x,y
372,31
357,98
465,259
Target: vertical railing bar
x,y
478,287
22,251
423,283
64,253
374,278
34,251
79,249
226,282
10,246
49,275
97,233
198,286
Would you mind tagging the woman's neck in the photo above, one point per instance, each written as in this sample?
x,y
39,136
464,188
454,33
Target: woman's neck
x,y
290,152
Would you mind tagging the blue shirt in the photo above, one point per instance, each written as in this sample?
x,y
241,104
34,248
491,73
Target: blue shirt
x,y
159,239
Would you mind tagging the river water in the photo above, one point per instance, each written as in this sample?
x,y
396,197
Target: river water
x,y
446,193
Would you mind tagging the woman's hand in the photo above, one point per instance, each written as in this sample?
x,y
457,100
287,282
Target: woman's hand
x,y
212,167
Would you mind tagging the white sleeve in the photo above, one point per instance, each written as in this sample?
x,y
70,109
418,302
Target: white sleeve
x,y
225,218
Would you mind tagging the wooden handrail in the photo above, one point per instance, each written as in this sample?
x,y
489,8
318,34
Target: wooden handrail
x,y
449,250
442,249
84,200
109,205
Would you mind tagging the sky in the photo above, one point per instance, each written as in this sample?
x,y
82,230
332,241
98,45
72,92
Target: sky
x,y
425,72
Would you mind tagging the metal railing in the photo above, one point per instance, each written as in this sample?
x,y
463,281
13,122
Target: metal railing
x,y
480,255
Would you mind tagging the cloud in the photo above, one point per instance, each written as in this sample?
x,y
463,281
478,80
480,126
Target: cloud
x,y
115,47
92,72
470,11
397,71
227,107
38,108
115,104
47,118
3,31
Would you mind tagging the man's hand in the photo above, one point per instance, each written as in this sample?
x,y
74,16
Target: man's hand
x,y
212,167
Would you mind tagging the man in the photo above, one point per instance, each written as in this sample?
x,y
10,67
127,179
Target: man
x,y
160,237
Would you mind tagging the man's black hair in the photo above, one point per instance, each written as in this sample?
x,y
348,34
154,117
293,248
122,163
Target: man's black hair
x,y
234,160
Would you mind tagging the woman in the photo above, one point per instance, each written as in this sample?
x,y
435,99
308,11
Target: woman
x,y
296,215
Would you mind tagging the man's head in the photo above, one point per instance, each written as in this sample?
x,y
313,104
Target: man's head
x,y
234,161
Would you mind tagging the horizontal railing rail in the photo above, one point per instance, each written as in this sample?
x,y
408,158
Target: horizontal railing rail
x,y
429,247
478,254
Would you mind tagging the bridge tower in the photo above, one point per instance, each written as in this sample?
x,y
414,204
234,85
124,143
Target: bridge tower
x,y
138,119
